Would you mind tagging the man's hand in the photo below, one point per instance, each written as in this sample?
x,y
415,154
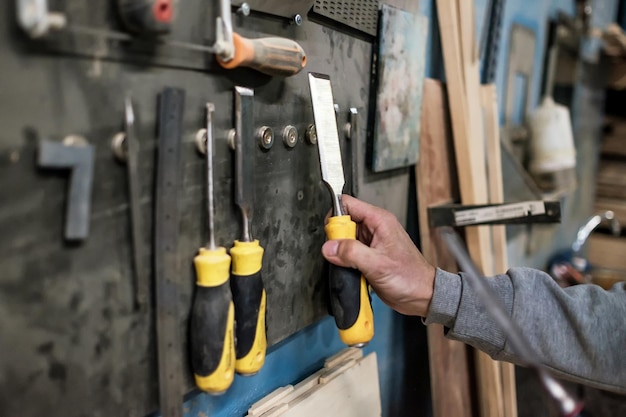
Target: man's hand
x,y
386,256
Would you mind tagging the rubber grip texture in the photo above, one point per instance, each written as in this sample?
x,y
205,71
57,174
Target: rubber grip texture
x,y
212,339
249,297
350,302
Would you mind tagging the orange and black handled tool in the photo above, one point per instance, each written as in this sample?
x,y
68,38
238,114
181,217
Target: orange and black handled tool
x,y
212,320
274,56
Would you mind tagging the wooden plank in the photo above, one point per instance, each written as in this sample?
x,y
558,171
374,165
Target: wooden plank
x,y
436,185
465,107
498,233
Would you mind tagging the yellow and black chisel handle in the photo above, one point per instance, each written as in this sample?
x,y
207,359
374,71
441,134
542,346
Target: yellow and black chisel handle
x,y
350,301
212,323
249,298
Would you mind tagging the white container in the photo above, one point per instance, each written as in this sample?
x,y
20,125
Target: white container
x,y
552,140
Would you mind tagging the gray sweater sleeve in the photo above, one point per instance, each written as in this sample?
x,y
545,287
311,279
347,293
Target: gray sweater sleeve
x,y
579,332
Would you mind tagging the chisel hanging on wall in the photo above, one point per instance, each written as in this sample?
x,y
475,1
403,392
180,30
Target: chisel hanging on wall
x,y
247,254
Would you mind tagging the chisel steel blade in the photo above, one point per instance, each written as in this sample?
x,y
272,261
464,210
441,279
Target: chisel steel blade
x,y
244,148
327,137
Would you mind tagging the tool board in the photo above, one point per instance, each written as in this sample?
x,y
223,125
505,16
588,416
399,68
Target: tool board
x,y
70,335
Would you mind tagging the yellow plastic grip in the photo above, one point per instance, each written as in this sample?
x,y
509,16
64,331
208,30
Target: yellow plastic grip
x,y
362,331
340,227
222,378
248,290
247,257
212,267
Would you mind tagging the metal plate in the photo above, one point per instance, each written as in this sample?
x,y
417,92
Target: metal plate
x,y
401,51
361,15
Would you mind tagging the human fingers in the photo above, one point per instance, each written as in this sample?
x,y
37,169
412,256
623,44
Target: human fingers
x,y
360,211
351,254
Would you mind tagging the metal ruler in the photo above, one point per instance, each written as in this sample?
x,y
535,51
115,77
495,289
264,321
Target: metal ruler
x,y
167,216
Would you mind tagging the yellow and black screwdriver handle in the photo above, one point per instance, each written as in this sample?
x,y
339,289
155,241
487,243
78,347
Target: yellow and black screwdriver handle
x,y
350,302
249,297
212,323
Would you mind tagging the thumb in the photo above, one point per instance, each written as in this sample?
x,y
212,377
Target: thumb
x,y
350,253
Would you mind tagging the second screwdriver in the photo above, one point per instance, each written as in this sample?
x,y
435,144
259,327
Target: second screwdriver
x,y
213,314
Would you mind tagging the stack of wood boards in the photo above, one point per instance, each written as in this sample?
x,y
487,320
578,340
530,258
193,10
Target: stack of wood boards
x,y
472,131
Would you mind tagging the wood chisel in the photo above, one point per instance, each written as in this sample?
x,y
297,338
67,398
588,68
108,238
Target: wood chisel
x,y
166,230
349,297
247,254
213,313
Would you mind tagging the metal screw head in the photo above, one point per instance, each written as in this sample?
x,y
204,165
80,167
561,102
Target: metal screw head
x,y
265,136
200,140
244,9
311,134
347,130
119,147
232,134
290,136
297,19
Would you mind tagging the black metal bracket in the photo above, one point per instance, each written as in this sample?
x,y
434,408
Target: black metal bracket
x,y
509,213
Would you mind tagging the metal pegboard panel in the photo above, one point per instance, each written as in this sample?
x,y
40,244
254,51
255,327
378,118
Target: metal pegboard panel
x,y
361,15
69,334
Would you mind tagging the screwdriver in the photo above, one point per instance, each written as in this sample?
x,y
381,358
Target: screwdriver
x,y
246,282
213,313
349,297
274,56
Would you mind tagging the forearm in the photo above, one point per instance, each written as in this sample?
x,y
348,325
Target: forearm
x,y
578,332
